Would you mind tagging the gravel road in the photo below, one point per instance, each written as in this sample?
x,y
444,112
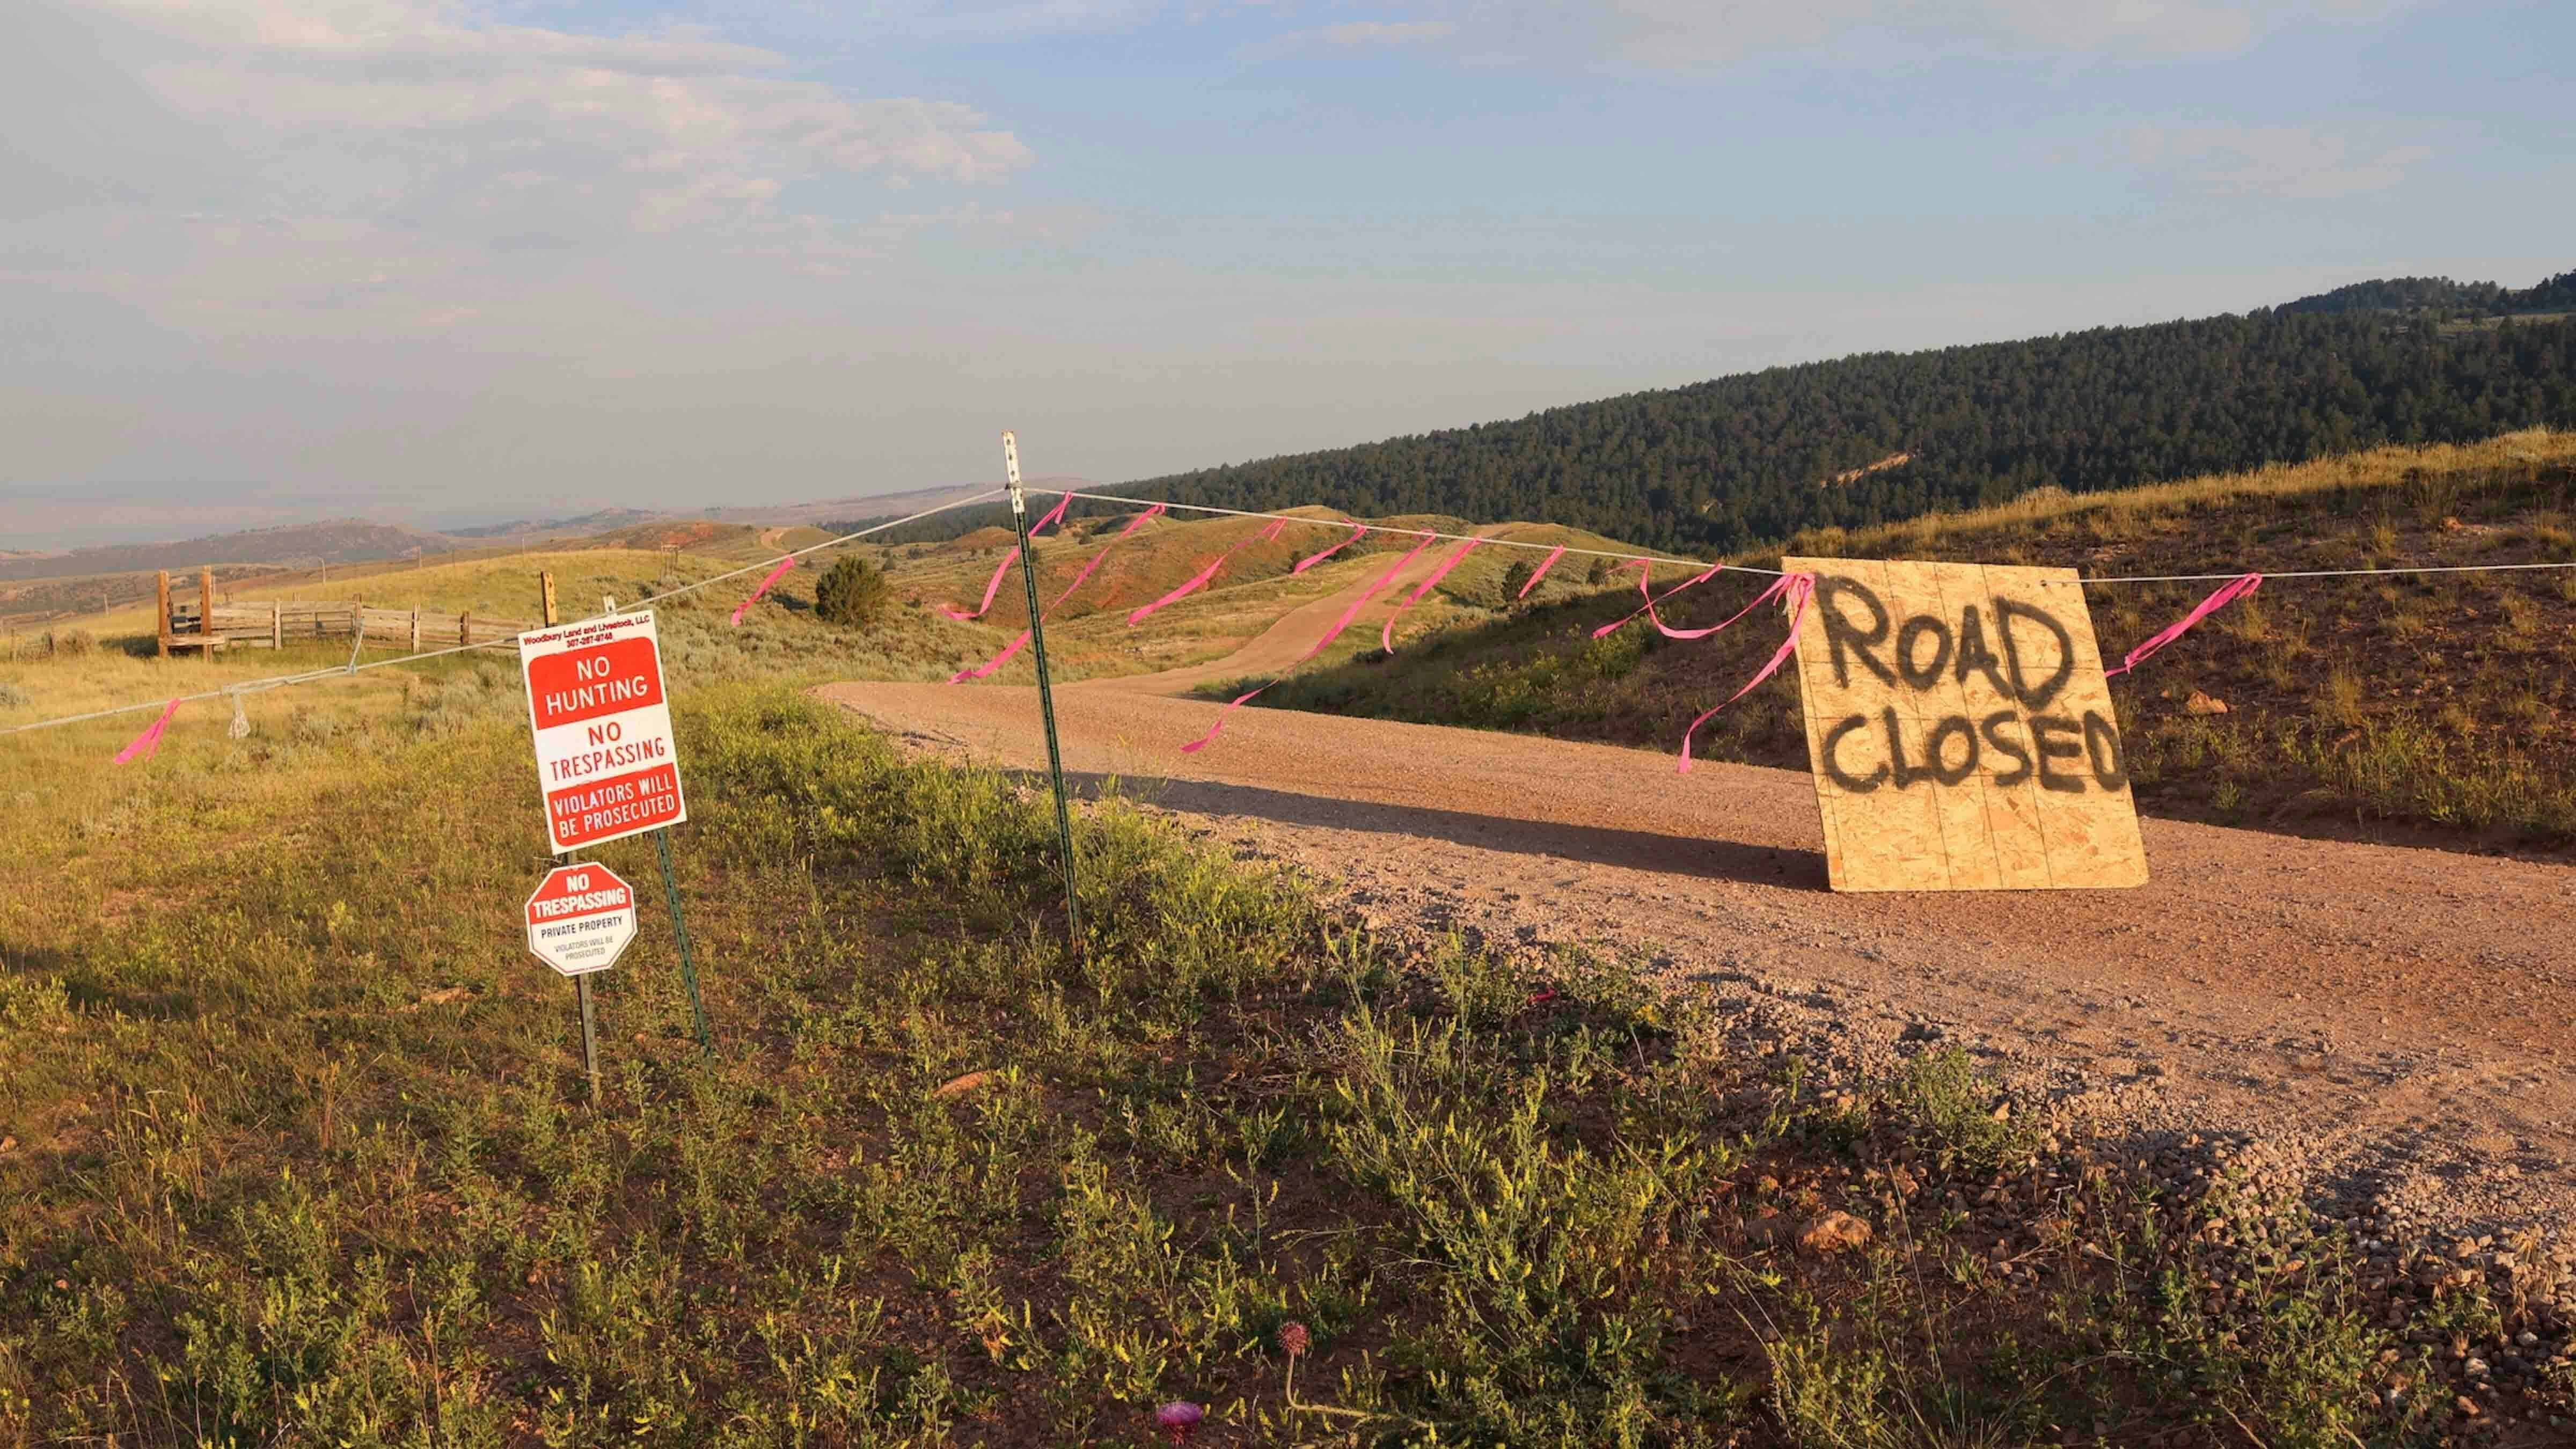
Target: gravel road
x,y
2390,1030
2392,1026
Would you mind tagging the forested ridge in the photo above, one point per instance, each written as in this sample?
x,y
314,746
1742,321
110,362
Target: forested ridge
x,y
1753,458
2441,294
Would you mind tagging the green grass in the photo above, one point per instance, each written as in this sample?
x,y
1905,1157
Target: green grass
x,y
297,1153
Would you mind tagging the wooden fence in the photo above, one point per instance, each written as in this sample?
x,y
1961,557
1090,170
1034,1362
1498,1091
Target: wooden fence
x,y
184,624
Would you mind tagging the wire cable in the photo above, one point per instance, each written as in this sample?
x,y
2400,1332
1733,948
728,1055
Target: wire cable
x,y
1774,573
344,671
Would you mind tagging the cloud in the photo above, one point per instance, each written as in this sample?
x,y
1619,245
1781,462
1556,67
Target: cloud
x,y
432,120
1688,36
1382,32
2294,163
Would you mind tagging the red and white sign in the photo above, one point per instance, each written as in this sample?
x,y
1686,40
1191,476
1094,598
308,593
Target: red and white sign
x,y
581,918
605,757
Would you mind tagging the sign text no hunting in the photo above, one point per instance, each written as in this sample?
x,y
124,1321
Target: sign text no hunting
x,y
605,756
1960,730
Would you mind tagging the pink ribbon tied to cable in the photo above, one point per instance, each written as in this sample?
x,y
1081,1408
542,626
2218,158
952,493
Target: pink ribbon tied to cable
x,y
775,575
1646,567
148,743
1200,580
993,585
1541,572
2219,598
1795,590
1321,645
1386,636
997,661
1311,560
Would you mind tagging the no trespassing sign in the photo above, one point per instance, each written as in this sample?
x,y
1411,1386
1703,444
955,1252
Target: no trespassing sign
x,y
581,918
606,761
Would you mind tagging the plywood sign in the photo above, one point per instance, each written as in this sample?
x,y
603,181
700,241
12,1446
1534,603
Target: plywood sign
x,y
1960,730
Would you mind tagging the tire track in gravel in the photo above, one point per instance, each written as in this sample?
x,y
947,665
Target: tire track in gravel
x,y
2395,1024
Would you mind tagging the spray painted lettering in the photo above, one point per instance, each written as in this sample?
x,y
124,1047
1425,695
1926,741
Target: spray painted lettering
x,y
1960,729
1903,751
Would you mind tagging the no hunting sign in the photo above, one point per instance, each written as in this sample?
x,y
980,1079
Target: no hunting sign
x,y
1960,730
605,757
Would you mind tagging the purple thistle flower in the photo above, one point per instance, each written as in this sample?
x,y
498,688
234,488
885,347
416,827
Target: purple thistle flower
x,y
1178,1418
1292,1338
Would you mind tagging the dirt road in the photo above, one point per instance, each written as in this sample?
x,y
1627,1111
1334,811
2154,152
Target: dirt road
x,y
2396,1023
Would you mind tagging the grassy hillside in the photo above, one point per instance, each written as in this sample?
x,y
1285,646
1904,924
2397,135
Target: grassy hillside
x,y
1089,635
2445,703
62,774
294,1150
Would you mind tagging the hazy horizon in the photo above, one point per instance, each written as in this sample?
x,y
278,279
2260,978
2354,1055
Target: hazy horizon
x,y
273,261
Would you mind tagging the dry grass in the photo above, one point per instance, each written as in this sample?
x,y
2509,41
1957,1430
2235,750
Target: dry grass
x,y
293,1150
2423,479
1089,636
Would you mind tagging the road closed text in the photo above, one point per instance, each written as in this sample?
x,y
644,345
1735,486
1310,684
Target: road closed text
x,y
1994,643
1961,730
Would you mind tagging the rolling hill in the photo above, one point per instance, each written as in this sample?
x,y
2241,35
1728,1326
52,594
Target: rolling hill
x,y
2439,707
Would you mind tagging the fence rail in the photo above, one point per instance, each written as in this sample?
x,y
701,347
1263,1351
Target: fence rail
x,y
202,623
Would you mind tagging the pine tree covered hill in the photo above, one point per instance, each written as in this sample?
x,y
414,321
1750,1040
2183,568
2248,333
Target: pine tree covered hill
x,y
2441,294
1727,464
1751,459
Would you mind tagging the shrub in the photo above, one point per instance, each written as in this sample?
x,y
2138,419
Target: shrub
x,y
1515,579
852,594
12,697
70,643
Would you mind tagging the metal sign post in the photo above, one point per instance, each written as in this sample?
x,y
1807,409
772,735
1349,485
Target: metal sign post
x,y
589,1036
1046,693
680,934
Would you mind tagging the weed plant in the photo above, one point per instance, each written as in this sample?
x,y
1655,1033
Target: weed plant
x,y
294,1150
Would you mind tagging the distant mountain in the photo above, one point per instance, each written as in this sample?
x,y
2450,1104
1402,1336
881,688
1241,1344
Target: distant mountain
x,y
760,515
345,540
358,540
599,521
1726,464
831,510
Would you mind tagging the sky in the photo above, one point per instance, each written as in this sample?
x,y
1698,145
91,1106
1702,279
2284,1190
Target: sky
x,y
271,260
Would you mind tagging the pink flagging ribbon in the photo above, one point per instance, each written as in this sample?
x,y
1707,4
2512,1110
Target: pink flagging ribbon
x,y
1321,645
146,743
1646,567
2219,598
1200,580
775,575
1311,560
993,585
986,668
1386,636
1542,572
1797,589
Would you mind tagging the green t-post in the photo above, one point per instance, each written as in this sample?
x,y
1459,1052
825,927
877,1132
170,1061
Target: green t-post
x,y
1046,692
680,934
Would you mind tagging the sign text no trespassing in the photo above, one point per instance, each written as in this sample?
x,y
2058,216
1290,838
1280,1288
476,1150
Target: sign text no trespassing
x,y
605,758
581,918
